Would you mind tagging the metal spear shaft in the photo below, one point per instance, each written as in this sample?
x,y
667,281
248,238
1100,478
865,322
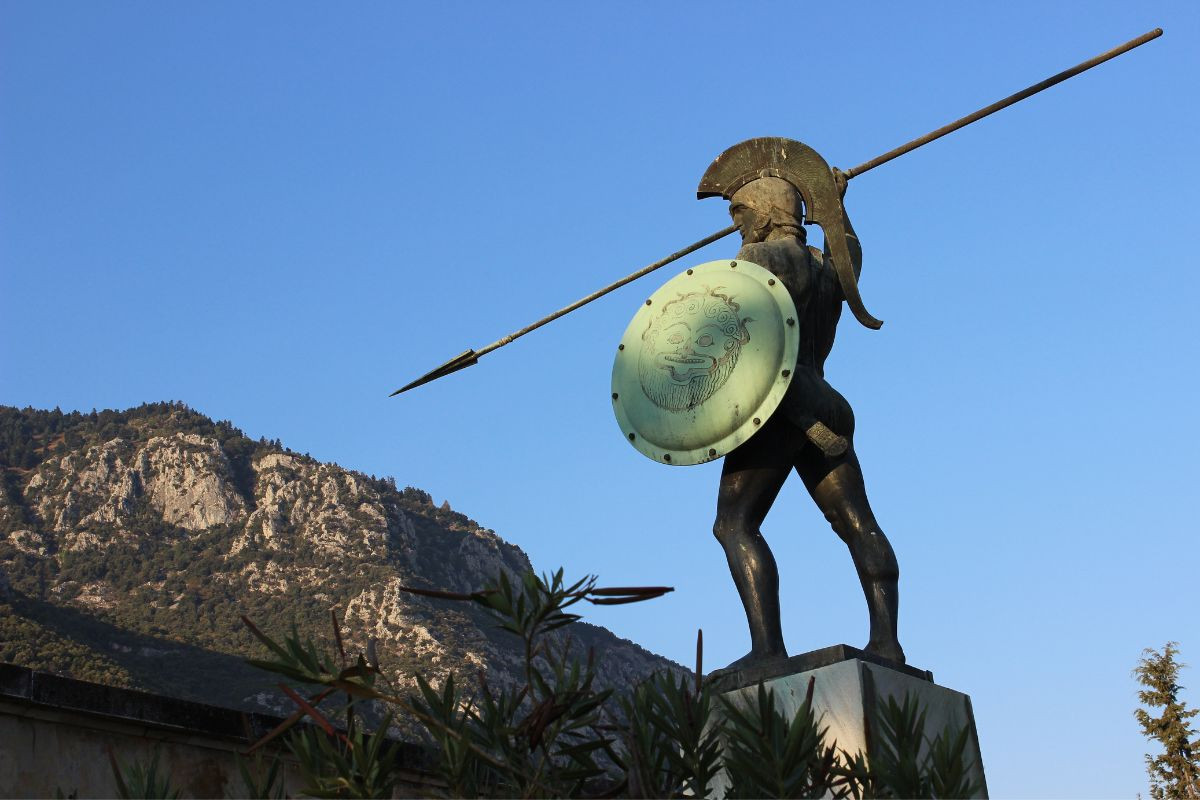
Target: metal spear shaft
x,y
1005,103
471,357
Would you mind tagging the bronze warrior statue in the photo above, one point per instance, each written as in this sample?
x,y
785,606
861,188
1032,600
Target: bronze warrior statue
x,y
812,431
774,186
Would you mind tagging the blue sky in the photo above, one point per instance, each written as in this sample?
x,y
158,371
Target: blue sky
x,y
278,213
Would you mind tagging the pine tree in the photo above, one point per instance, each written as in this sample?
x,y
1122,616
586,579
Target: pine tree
x,y
1175,773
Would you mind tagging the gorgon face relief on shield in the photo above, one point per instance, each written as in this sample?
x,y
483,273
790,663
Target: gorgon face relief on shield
x,y
690,349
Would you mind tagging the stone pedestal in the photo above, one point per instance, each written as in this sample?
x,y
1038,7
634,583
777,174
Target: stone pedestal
x,y
848,684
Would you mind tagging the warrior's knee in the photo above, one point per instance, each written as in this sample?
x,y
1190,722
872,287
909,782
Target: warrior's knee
x,y
729,530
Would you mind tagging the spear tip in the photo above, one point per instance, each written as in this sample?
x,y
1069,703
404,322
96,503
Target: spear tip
x,y
461,361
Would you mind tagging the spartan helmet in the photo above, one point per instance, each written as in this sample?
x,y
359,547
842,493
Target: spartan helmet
x,y
748,163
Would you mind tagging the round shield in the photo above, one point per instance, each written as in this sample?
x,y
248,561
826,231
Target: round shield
x,y
705,362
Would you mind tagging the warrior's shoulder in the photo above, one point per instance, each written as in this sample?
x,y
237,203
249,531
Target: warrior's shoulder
x,y
781,253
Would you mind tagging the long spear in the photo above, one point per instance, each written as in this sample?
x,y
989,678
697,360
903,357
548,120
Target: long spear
x,y
471,357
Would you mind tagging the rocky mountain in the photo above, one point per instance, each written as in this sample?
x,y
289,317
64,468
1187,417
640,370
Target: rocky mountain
x,y
130,543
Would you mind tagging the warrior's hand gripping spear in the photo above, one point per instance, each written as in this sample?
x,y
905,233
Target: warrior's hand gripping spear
x,y
822,202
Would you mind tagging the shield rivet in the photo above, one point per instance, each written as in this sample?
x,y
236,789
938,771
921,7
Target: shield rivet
x,y
632,436
786,372
689,272
712,451
620,347
791,321
615,394
757,421
647,302
733,263
667,457
770,281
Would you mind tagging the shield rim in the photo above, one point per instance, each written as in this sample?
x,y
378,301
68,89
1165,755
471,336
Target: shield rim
x,y
770,403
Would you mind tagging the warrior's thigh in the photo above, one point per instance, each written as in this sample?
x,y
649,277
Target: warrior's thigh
x,y
837,487
751,477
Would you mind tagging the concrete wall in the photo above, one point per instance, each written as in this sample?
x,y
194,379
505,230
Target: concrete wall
x,y
56,734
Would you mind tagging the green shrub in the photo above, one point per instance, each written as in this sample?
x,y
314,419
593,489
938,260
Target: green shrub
x,y
558,735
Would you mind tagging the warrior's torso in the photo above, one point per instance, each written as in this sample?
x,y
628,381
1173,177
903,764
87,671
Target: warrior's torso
x,y
814,288
813,285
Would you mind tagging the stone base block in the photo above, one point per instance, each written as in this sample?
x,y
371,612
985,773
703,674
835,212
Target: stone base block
x,y
848,683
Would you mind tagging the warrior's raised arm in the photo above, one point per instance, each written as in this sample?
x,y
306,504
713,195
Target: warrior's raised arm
x,y
852,242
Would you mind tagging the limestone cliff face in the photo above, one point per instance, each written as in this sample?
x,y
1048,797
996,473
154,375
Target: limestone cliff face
x,y
321,506
73,491
159,520
185,477
189,481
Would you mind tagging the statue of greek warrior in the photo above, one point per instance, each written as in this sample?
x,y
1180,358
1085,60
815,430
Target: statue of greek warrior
x,y
811,432
690,342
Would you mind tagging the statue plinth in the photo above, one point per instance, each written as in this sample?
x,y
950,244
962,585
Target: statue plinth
x,y
848,684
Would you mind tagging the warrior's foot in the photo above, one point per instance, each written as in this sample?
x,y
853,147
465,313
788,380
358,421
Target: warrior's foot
x,y
891,650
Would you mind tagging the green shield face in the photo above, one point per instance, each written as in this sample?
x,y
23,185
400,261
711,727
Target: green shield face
x,y
705,362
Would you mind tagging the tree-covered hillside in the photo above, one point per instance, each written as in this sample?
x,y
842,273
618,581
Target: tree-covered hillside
x,y
131,542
